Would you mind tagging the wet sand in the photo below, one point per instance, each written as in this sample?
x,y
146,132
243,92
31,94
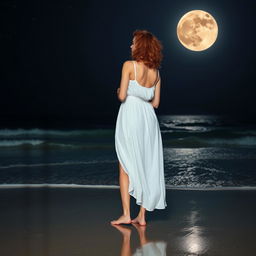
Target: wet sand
x,y
76,221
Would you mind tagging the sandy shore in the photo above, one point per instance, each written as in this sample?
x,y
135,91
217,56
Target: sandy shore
x,y
76,221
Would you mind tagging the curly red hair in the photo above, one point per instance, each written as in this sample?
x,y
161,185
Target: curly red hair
x,y
148,49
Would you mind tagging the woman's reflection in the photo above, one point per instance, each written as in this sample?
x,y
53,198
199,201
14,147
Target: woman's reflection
x,y
147,248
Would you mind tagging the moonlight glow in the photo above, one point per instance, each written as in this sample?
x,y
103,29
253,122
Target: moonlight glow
x,y
197,30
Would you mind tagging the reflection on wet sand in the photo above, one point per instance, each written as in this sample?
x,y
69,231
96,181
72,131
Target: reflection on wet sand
x,y
193,240
147,247
54,221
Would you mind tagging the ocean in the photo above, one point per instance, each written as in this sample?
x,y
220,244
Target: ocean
x,y
200,152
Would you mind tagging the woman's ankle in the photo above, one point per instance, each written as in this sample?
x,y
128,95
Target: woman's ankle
x,y
141,215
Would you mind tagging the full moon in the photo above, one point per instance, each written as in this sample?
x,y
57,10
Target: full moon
x,y
197,30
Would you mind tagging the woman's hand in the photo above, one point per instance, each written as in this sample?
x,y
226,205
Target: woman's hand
x,y
151,104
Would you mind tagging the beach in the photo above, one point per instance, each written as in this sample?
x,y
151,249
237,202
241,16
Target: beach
x,y
50,220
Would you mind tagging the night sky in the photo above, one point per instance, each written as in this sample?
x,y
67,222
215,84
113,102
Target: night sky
x,y
61,60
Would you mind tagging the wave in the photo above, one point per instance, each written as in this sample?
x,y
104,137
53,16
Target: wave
x,y
44,132
40,144
193,136
173,128
57,164
209,142
15,143
189,141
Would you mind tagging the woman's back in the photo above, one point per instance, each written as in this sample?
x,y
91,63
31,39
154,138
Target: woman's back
x,y
138,89
145,76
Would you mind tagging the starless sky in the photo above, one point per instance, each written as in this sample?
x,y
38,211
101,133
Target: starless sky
x,y
63,59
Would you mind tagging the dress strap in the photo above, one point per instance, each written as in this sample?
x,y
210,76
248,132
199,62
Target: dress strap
x,y
134,69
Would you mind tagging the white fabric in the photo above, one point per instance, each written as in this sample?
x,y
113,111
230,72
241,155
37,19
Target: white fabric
x,y
152,249
139,149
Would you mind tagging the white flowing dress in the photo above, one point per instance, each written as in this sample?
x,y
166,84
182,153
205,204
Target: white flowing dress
x,y
138,145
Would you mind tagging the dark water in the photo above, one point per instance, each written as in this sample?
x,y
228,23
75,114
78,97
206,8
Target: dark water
x,y
199,152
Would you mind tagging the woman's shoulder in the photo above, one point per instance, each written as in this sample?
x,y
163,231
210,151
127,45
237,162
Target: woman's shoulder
x,y
128,61
128,65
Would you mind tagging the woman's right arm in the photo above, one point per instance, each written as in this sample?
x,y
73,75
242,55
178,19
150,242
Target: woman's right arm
x,y
122,90
156,100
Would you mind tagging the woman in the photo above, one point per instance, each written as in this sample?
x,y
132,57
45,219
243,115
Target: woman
x,y
138,140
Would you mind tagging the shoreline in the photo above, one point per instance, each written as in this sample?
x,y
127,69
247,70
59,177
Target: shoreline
x,y
7,186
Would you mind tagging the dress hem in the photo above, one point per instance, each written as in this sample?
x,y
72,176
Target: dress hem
x,y
131,191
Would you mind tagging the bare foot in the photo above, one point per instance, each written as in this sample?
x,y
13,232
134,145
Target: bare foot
x,y
139,220
122,220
